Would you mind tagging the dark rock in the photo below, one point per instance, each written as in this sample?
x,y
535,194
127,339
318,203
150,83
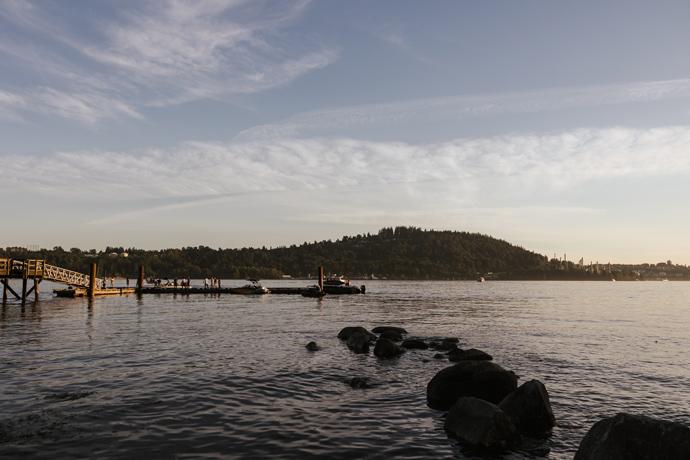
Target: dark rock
x,y
359,342
382,329
481,379
443,346
440,356
479,423
346,332
359,382
626,437
312,346
415,344
391,335
529,408
451,340
386,349
469,355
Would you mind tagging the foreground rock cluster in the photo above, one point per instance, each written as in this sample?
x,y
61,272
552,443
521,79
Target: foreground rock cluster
x,y
487,409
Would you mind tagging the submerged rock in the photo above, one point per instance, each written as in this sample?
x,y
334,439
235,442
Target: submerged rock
x,y
415,344
346,332
529,408
479,423
391,335
480,379
382,329
312,346
359,342
469,355
359,382
626,437
386,349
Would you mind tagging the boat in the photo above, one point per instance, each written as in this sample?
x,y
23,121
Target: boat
x,y
481,279
335,280
254,287
313,291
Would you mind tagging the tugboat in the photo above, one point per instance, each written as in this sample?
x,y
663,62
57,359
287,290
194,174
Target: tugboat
x,y
253,288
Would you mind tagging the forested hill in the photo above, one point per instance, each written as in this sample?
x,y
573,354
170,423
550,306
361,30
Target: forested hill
x,y
393,253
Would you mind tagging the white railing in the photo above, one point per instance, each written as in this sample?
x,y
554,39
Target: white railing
x,y
60,275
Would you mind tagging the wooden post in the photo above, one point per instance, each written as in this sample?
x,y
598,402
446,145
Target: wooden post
x,y
36,288
321,278
92,282
140,281
4,290
24,280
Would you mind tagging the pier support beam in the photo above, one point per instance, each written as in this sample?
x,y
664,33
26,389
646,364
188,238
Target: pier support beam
x,y
24,283
92,282
6,284
140,281
321,278
4,290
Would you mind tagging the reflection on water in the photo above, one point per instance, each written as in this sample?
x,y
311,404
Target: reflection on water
x,y
222,376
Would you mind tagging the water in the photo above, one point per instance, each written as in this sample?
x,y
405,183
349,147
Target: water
x,y
230,377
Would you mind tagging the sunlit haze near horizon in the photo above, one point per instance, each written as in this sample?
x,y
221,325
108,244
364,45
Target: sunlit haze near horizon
x,y
561,127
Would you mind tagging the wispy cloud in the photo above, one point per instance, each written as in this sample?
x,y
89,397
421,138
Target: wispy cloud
x,y
461,107
153,54
527,162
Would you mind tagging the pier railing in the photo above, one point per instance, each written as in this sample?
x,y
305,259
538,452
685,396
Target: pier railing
x,y
36,268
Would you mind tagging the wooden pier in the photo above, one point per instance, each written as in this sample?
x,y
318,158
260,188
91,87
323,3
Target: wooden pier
x,y
81,285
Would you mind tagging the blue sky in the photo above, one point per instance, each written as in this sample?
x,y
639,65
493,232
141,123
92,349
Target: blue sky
x,y
562,127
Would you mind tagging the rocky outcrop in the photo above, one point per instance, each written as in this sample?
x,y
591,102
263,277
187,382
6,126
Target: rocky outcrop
x,y
480,379
529,408
626,437
386,349
469,355
391,335
479,423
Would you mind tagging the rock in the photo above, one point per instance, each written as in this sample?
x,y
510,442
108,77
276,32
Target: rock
x,y
415,344
382,329
391,335
359,342
481,379
440,356
626,437
346,332
469,355
312,346
359,382
479,423
443,346
386,349
529,408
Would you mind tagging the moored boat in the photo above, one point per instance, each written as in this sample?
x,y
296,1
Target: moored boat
x,y
253,288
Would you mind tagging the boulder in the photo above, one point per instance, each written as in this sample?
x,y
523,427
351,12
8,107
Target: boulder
x,y
346,332
359,342
480,379
415,344
391,335
444,346
479,423
312,346
626,437
469,355
382,329
529,408
386,349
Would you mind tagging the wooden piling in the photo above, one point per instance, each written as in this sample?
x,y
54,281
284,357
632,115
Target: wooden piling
x,y
36,281
92,282
24,282
4,290
140,281
321,278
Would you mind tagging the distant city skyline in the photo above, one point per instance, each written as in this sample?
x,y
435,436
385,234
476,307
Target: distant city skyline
x,y
562,128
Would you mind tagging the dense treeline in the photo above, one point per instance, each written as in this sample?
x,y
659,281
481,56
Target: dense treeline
x,y
393,253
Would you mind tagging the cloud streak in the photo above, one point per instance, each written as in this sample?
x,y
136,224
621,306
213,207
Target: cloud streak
x,y
463,107
202,169
152,54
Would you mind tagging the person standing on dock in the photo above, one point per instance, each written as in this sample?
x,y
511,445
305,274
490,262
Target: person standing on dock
x,y
127,282
205,283
175,283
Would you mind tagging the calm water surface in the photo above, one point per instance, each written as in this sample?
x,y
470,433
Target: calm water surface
x,y
229,376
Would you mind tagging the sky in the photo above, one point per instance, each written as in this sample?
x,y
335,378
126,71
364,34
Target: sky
x,y
561,127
